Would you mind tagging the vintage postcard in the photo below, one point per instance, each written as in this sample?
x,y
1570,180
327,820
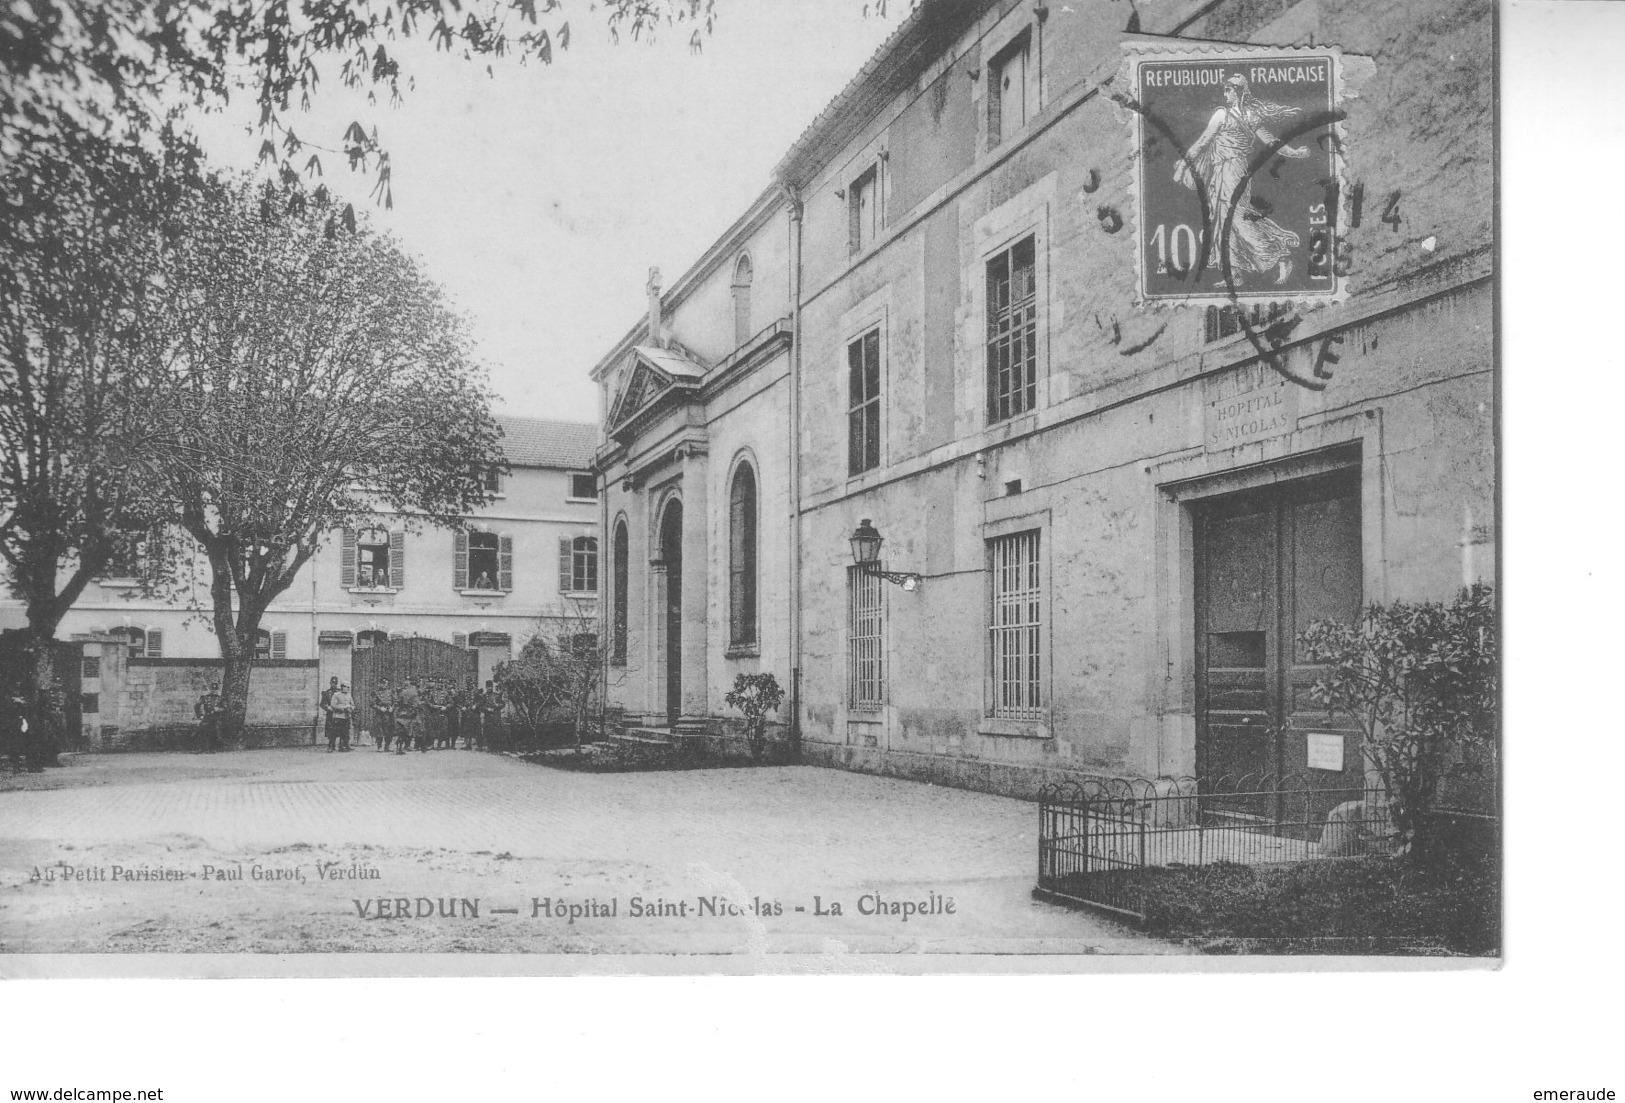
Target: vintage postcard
x,y
706,487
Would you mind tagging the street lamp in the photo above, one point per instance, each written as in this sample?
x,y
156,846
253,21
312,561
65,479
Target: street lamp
x,y
866,543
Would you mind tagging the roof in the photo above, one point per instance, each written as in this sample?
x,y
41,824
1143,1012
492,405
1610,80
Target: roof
x,y
541,442
671,362
931,28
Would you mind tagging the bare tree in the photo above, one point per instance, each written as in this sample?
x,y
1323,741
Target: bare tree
x,y
562,672
82,236
313,378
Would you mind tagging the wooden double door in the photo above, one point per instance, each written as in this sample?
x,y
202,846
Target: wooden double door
x,y
1270,562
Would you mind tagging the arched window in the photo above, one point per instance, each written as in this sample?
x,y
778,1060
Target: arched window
x,y
618,627
742,277
742,557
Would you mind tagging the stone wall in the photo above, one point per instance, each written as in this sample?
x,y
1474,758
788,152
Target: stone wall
x,y
148,704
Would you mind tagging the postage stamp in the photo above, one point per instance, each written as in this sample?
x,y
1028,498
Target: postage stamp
x,y
1237,174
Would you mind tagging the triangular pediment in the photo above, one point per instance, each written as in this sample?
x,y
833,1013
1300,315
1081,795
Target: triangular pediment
x,y
653,372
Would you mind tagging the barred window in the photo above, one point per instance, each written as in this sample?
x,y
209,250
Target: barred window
x,y
863,403
865,629
1016,629
622,558
1012,331
1220,322
742,556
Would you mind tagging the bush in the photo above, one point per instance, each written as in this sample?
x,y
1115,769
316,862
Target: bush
x,y
1343,906
755,695
1422,683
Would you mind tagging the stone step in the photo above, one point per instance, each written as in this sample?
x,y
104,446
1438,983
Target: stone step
x,y
655,736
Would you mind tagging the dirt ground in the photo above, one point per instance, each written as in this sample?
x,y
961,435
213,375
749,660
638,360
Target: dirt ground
x,y
295,851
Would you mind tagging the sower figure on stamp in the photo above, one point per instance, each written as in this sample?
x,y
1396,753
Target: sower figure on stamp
x,y
1219,160
383,715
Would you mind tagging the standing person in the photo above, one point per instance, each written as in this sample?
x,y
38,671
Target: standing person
x,y
207,711
383,715
491,706
408,708
326,707
340,708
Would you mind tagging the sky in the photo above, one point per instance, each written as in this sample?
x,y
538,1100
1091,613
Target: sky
x,y
540,196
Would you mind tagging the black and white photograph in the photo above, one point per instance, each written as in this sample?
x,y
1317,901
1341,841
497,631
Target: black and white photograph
x,y
526,488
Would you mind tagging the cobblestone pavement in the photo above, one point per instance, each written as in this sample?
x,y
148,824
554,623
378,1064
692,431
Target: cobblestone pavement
x,y
708,861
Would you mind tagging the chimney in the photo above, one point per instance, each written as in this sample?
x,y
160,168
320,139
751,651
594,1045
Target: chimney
x,y
654,309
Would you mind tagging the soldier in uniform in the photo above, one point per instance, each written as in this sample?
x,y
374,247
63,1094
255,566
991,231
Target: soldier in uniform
x,y
490,706
383,715
329,729
341,707
409,712
207,710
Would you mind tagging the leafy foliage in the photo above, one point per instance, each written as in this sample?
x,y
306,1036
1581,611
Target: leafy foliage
x,y
1422,682
755,695
558,677
308,380
118,68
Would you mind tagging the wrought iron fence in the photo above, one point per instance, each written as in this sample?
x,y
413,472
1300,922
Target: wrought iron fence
x,y
1098,838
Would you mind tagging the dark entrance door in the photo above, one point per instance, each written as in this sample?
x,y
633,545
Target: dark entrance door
x,y
671,553
1269,562
399,660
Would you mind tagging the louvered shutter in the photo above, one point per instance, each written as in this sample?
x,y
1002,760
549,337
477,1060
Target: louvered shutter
x,y
459,560
566,583
347,559
397,559
155,643
459,639
505,563
279,645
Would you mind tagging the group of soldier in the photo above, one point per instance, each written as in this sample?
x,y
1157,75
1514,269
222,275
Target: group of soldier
x,y
425,713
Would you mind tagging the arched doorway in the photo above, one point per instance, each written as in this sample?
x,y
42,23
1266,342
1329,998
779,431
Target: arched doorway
x,y
671,555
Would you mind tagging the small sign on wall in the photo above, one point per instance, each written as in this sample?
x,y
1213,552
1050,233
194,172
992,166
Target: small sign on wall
x,y
1325,751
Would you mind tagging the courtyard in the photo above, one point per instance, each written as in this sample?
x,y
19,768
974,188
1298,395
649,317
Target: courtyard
x,y
296,851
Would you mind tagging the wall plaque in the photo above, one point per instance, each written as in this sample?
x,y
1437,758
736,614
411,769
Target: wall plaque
x,y
1255,404
1325,751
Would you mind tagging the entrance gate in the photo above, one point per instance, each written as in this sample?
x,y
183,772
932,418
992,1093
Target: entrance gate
x,y
399,660
1269,563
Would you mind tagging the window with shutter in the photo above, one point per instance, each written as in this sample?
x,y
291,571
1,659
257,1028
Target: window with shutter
x,y
459,639
397,559
155,644
505,577
484,566
347,559
459,560
279,645
566,566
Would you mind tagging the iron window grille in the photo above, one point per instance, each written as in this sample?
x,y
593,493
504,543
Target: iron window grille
x,y
1220,322
866,628
1015,634
742,557
1012,332
863,403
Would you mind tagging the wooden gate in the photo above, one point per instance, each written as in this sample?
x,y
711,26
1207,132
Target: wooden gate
x,y
401,659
